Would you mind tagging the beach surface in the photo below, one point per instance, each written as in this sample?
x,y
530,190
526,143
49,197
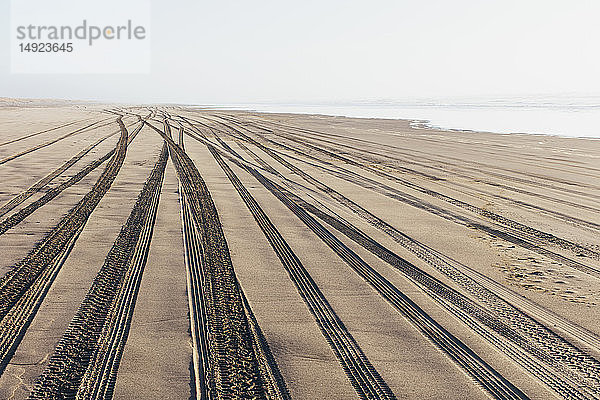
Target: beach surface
x,y
178,252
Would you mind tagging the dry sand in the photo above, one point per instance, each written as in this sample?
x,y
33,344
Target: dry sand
x,y
517,213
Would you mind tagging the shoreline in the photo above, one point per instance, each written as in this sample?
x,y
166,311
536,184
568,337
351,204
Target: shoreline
x,y
418,124
383,112
426,124
451,119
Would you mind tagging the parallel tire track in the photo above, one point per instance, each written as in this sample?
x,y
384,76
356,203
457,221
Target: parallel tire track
x,y
481,372
100,376
196,304
94,125
21,197
198,324
447,266
360,152
86,359
555,350
275,386
538,234
23,213
39,185
507,233
23,288
543,350
40,132
362,375
478,169
232,369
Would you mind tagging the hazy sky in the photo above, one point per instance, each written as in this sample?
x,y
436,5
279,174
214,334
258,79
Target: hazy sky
x,y
311,51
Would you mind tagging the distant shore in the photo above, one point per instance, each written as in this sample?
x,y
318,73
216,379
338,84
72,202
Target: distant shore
x,y
569,120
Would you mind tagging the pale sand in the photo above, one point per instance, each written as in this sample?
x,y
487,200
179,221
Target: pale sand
x,y
548,183
77,273
158,348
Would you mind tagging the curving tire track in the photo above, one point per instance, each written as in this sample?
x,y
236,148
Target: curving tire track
x,y
86,128
23,213
231,368
86,359
23,288
362,375
574,367
481,372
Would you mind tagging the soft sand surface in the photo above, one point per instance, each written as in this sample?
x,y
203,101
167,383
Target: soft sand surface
x,y
158,348
77,273
518,212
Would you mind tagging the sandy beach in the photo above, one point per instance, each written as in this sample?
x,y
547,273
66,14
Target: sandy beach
x,y
180,252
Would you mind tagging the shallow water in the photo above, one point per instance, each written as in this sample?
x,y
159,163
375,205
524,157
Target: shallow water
x,y
574,116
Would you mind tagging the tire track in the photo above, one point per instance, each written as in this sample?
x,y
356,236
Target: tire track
x,y
23,288
533,232
99,379
232,368
259,162
551,349
362,375
275,384
196,303
502,232
39,185
513,237
575,370
198,323
481,372
44,131
21,197
19,216
361,152
495,174
468,190
397,148
86,359
91,126
554,349
460,273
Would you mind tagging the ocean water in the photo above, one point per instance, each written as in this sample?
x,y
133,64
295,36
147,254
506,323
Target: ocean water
x,y
566,115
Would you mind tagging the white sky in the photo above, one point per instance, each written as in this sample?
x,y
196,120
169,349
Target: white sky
x,y
310,51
